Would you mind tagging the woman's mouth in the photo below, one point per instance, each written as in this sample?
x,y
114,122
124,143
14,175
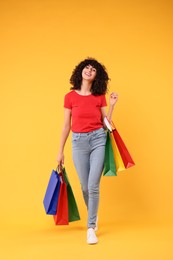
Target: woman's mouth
x,y
88,74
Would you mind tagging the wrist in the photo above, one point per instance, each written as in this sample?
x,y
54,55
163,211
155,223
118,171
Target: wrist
x,y
111,106
60,152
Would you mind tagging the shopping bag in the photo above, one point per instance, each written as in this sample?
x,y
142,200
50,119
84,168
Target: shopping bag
x,y
123,159
61,216
109,161
73,213
117,156
51,196
125,155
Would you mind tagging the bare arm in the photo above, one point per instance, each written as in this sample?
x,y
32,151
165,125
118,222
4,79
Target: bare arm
x,y
64,135
112,101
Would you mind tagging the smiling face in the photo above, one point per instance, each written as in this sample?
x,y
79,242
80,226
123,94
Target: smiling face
x,y
89,73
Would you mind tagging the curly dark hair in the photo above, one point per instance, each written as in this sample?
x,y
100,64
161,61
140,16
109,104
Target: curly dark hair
x,y
99,85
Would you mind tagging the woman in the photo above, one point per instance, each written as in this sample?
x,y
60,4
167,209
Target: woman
x,y
85,109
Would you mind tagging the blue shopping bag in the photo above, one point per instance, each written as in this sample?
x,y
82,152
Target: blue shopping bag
x,y
52,192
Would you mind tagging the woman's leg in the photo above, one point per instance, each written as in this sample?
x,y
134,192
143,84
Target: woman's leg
x,y
81,159
88,157
96,167
81,162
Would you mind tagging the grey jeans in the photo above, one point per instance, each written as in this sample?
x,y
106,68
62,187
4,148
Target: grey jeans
x,y
88,156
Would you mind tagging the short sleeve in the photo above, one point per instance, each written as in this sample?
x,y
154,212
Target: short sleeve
x,y
103,101
67,102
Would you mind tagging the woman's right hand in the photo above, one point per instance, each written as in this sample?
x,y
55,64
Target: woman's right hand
x,y
60,159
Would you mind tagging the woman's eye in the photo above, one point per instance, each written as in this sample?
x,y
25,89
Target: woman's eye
x,y
88,67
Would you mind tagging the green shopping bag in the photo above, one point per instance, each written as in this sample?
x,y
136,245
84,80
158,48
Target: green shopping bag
x,y
73,213
109,162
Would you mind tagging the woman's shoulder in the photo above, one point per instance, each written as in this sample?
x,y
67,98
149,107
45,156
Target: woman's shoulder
x,y
70,93
102,96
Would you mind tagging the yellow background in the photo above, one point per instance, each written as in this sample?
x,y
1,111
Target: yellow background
x,y
40,44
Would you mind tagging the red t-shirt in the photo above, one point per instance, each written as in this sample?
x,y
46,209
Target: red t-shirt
x,y
86,112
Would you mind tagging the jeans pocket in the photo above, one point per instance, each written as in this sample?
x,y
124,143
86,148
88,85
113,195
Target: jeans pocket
x,y
75,137
101,133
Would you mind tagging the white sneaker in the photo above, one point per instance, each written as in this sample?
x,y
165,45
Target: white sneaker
x,y
96,227
91,236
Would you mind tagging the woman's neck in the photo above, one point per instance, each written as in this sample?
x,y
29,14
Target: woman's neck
x,y
86,88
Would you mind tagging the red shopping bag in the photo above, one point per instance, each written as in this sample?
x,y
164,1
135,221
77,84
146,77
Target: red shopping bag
x,y
125,155
61,216
123,151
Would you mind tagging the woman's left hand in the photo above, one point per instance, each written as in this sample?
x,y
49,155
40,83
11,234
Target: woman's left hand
x,y
113,98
